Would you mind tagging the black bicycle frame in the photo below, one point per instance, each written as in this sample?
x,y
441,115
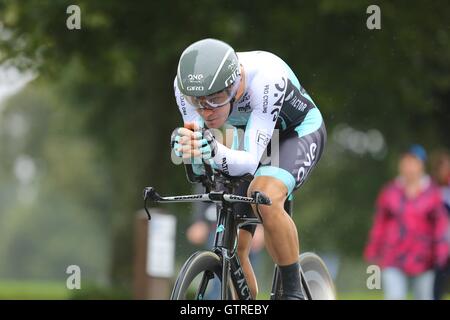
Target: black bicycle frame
x,y
225,244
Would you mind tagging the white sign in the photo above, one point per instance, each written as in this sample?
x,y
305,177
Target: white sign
x,y
161,245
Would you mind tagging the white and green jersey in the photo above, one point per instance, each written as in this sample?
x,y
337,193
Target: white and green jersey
x,y
273,98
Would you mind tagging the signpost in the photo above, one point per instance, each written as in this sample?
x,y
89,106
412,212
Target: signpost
x,y
154,259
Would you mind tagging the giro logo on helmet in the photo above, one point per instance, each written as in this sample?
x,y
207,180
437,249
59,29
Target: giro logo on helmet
x,y
233,77
195,88
232,65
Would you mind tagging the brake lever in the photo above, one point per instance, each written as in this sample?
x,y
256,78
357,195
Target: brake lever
x,y
150,194
260,198
146,210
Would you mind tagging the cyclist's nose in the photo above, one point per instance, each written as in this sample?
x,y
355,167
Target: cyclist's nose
x,y
207,112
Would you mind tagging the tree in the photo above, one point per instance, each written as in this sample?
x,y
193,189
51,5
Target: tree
x,y
122,62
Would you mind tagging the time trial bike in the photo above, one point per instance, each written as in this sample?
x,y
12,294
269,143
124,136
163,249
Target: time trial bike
x,y
221,262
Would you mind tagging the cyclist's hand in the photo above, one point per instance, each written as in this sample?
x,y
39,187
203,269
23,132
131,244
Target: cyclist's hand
x,y
206,144
181,140
175,142
185,139
195,142
202,142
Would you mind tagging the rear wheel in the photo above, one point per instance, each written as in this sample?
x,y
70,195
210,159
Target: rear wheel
x,y
200,278
317,277
314,274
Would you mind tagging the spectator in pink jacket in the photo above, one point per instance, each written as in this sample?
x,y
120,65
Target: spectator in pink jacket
x,y
408,238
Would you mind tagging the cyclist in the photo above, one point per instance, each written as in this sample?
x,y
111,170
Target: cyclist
x,y
258,92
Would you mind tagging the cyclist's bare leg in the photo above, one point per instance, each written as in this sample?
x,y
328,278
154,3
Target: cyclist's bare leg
x,y
280,232
244,245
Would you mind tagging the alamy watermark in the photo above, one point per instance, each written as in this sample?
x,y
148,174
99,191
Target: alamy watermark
x,y
74,279
374,20
374,280
73,22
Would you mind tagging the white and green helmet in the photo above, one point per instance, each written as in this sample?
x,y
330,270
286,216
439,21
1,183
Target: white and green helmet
x,y
207,67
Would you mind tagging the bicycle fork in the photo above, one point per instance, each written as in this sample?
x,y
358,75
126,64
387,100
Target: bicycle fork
x,y
225,269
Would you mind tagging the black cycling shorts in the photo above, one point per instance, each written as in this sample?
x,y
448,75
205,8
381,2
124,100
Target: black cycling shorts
x,y
292,162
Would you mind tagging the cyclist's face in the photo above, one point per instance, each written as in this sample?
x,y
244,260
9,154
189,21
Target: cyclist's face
x,y
215,117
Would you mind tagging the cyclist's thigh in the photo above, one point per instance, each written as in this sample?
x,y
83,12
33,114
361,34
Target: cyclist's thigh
x,y
308,148
297,154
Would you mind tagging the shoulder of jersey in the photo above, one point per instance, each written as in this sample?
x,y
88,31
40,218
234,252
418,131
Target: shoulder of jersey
x,y
263,64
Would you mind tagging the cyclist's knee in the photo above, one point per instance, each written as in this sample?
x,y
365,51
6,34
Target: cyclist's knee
x,y
270,186
275,190
270,215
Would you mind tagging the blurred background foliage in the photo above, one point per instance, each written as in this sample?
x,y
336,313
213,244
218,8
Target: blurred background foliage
x,y
91,129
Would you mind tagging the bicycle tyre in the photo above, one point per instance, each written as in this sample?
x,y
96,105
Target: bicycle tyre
x,y
198,263
316,275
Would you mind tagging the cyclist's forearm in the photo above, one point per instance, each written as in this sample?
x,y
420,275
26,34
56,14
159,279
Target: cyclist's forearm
x,y
235,162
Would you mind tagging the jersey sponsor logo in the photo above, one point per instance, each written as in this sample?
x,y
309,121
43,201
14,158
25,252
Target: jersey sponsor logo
x,y
295,101
262,138
310,157
225,165
289,96
294,108
183,105
266,98
281,87
280,98
275,113
245,97
246,108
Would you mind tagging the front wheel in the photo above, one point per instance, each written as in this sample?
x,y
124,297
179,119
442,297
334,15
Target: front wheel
x,y
200,278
